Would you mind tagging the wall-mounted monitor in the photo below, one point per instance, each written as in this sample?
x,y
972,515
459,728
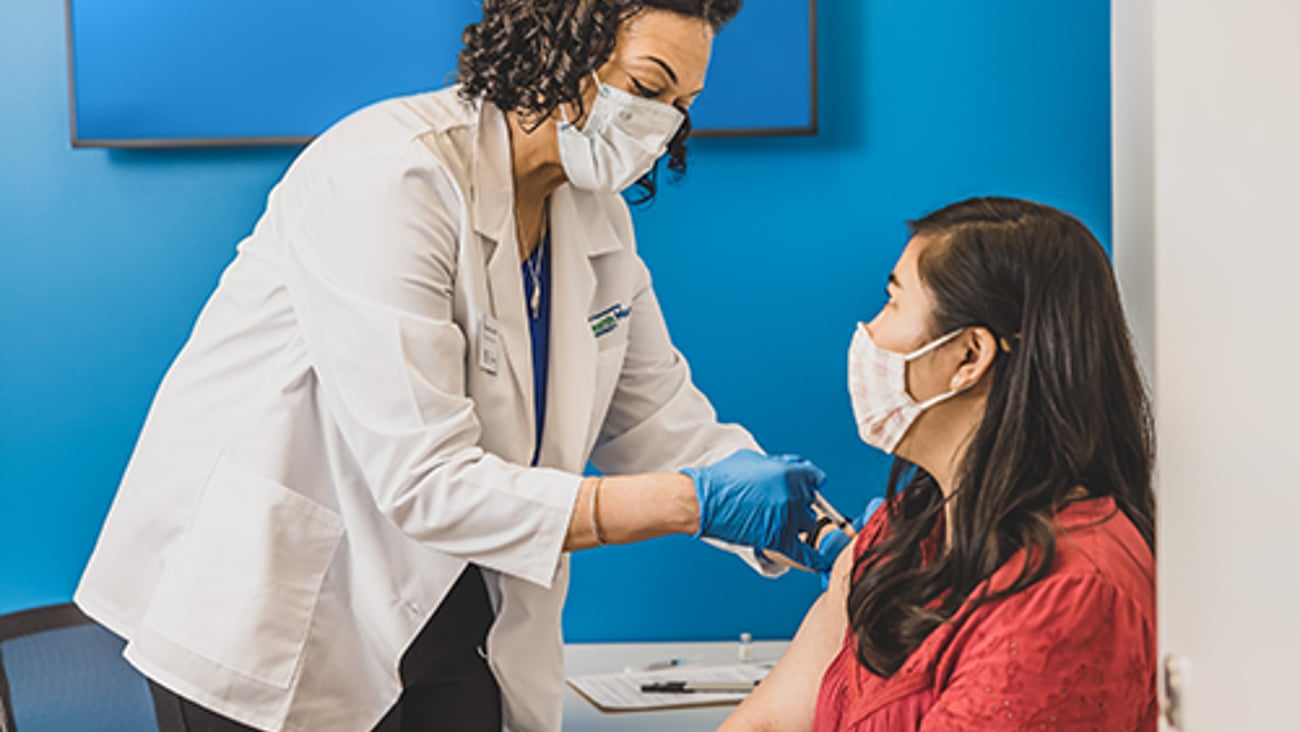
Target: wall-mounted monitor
x,y
162,73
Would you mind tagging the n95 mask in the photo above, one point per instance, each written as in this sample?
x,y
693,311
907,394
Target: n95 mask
x,y
623,137
883,408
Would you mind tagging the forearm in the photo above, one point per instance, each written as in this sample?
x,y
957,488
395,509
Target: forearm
x,y
632,508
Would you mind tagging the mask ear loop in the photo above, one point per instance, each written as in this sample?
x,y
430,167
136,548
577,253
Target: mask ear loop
x,y
932,345
1003,344
927,349
564,113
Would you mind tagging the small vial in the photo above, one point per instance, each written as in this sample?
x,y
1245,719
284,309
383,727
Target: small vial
x,y
746,650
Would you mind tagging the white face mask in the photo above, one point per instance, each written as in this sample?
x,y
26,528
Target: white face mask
x,y
623,137
878,387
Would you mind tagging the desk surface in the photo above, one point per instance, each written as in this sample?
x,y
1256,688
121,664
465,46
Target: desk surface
x,y
595,658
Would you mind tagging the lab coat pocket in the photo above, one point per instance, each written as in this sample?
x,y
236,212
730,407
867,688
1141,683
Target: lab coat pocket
x,y
609,366
616,341
241,588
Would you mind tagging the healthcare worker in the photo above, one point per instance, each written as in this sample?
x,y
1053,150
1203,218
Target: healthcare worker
x,y
352,500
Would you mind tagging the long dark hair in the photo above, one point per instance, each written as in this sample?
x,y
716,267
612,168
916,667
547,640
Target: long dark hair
x,y
531,56
1066,408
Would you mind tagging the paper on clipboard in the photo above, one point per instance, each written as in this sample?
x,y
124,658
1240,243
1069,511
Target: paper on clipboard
x,y
621,692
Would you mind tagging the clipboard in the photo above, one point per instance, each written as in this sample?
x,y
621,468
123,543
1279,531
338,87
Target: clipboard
x,y
621,692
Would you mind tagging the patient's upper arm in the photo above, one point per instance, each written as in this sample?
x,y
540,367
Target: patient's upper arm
x,y
840,574
786,698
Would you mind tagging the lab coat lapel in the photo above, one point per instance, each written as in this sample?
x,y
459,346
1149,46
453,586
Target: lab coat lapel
x,y
494,222
580,234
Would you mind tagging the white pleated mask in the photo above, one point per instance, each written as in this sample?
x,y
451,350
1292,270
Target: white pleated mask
x,y
623,137
883,408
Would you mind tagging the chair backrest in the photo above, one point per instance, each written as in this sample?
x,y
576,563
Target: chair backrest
x,y
61,672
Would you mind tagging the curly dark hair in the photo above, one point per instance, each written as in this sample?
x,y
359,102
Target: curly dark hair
x,y
531,56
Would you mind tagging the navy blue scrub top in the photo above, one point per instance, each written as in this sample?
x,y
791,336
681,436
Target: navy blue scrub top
x,y
539,329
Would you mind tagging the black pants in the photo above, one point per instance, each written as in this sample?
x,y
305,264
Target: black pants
x,y
446,683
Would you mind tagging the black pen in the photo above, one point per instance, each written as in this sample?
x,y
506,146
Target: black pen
x,y
699,687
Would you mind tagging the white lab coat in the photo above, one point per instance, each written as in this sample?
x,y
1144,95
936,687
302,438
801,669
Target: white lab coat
x,y
333,445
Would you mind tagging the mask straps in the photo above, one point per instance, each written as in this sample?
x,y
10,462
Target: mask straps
x,y
932,345
564,113
927,349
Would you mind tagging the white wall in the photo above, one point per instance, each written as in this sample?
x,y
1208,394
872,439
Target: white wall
x,y
1133,249
1225,78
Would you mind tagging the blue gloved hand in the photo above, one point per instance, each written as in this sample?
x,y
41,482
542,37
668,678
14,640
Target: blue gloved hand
x,y
831,543
762,502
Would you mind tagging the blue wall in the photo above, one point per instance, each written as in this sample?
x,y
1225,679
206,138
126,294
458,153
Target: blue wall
x,y
764,257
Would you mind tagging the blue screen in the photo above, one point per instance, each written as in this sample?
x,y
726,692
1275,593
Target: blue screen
x,y
185,72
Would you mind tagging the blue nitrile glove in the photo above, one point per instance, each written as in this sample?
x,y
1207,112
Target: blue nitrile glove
x,y
833,542
761,502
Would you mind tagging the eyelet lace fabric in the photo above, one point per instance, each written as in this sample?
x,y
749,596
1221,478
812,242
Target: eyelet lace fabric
x,y
1075,651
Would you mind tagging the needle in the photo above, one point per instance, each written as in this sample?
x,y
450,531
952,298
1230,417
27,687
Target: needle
x,y
835,516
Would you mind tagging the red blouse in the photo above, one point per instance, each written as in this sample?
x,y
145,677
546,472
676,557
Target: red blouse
x,y
1075,651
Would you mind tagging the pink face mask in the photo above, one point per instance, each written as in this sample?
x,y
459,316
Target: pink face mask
x,y
878,387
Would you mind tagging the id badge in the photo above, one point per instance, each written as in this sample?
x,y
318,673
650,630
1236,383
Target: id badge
x,y
489,345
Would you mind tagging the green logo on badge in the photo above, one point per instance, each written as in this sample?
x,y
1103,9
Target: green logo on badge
x,y
607,320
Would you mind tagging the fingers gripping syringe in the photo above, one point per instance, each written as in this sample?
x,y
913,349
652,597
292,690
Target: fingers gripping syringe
x,y
836,517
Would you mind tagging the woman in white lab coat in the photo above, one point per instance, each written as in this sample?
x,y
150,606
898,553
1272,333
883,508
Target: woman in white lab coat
x,y
352,502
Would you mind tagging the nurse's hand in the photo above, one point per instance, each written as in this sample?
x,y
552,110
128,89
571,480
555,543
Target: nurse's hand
x,y
831,543
763,502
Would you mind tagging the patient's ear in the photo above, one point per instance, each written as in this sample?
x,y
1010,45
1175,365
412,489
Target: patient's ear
x,y
979,348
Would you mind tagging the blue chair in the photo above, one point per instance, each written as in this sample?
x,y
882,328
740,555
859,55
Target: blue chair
x,y
61,672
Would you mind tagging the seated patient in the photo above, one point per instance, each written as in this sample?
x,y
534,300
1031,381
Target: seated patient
x,y
1008,584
